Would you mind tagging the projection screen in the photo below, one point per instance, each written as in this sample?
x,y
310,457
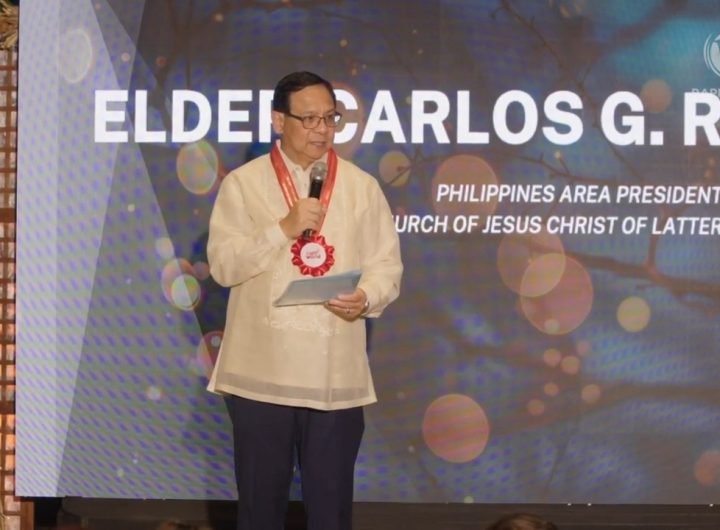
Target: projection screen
x,y
553,171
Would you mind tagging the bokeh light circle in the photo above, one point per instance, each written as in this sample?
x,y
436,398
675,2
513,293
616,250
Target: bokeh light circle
x,y
185,292
591,393
542,274
75,55
707,468
165,248
197,167
656,95
633,314
153,393
467,170
566,306
571,8
207,352
551,326
570,365
201,270
171,271
536,407
551,389
552,357
517,252
394,168
455,428
583,347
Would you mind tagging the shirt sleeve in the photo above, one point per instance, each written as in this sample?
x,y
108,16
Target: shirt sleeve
x,y
238,250
382,266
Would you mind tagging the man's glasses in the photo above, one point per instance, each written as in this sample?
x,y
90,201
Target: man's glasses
x,y
310,122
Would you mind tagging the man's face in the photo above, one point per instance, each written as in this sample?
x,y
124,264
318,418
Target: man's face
x,y
305,146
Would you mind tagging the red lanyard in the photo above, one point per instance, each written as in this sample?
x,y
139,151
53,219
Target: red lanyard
x,y
288,186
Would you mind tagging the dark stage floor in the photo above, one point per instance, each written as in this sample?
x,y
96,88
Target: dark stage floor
x,y
99,514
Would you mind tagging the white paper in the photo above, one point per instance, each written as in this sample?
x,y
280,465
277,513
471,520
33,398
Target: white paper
x,y
318,290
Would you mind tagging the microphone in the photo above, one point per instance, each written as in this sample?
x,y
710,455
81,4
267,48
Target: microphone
x,y
317,179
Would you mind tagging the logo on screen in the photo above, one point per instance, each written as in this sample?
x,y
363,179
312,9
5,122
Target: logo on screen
x,y
712,53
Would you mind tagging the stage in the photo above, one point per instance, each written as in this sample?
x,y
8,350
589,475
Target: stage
x,y
105,514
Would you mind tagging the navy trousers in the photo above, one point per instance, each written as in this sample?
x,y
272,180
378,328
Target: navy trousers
x,y
268,436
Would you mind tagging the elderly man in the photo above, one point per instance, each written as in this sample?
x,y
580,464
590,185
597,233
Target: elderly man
x,y
297,377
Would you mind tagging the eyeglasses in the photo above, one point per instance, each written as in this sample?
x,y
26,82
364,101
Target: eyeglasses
x,y
310,122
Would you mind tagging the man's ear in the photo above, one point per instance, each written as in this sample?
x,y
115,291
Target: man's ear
x,y
278,121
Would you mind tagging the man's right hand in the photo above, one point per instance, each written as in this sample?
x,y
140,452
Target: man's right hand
x,y
305,213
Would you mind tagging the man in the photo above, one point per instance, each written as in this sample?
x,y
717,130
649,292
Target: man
x,y
297,377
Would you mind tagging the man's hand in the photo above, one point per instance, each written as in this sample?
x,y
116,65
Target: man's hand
x,y
348,306
305,213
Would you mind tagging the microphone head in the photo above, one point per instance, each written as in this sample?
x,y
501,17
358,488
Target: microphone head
x,y
318,171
